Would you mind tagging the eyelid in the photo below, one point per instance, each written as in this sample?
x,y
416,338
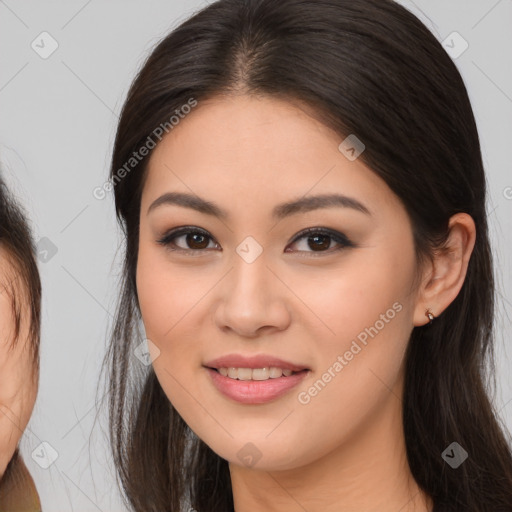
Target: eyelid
x,y
323,231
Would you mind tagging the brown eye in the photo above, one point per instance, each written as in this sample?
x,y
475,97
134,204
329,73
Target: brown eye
x,y
319,240
196,240
186,239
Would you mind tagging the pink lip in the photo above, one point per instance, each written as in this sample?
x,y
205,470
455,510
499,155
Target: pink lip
x,y
258,361
254,391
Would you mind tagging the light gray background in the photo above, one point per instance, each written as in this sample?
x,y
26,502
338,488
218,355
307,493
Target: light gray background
x,y
57,126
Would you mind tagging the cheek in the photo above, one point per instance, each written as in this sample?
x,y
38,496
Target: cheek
x,y
362,325
165,295
169,301
358,370
368,293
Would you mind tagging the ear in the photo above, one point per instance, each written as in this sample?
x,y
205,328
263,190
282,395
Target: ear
x,y
443,279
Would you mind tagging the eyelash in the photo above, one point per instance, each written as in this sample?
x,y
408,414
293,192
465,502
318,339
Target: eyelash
x,y
168,238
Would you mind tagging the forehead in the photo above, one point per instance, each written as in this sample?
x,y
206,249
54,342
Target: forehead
x,y
256,150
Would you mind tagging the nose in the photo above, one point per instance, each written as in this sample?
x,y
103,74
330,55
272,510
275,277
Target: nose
x,y
253,301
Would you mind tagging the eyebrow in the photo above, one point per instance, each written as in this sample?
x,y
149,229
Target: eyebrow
x,y
302,205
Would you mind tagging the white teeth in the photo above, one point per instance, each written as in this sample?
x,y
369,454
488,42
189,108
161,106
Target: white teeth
x,y
275,372
260,374
244,374
254,374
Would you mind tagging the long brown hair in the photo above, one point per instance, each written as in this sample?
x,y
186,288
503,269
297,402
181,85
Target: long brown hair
x,y
367,67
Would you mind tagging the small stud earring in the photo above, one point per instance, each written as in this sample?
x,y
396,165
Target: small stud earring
x,y
429,315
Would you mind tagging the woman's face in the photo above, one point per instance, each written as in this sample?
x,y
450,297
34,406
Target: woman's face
x,y
249,283
18,374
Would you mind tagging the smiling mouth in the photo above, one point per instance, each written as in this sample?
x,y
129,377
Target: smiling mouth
x,y
259,374
253,386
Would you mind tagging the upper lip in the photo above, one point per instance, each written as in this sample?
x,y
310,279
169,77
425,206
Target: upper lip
x,y
256,361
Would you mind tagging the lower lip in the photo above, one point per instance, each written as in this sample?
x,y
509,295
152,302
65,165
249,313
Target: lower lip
x,y
255,391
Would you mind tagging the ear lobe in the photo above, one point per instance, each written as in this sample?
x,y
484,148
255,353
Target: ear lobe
x,y
444,279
